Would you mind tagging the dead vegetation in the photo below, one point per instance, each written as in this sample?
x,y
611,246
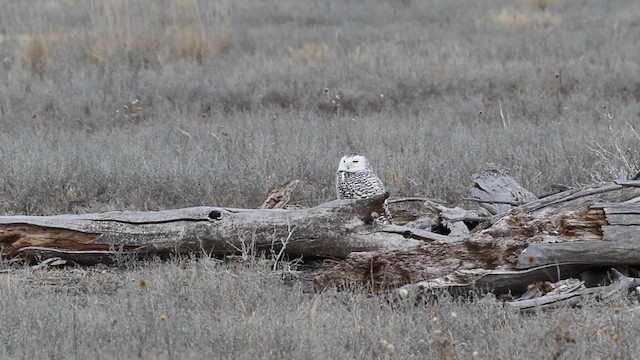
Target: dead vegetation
x,y
225,99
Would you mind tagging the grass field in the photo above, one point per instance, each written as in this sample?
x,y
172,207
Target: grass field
x,y
149,105
203,309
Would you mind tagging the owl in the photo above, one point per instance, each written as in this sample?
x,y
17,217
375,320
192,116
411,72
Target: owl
x,y
356,180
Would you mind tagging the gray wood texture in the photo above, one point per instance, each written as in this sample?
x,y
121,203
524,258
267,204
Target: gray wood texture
x,y
595,253
496,191
333,229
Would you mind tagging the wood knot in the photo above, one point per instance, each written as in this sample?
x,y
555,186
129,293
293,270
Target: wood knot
x,y
215,215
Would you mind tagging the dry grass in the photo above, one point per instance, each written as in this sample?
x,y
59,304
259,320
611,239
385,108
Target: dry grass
x,y
203,308
215,85
34,56
516,20
224,99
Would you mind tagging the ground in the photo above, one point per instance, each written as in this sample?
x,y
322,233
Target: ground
x,y
120,105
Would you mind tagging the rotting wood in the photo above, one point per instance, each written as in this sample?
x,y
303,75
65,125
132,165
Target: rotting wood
x,y
499,282
561,233
595,253
386,270
279,195
496,191
620,283
333,229
584,224
580,196
441,217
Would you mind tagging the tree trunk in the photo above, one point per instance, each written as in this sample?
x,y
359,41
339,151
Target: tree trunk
x,y
334,230
565,228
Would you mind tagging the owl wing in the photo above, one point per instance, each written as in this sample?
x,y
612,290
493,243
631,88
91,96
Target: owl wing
x,y
371,184
358,185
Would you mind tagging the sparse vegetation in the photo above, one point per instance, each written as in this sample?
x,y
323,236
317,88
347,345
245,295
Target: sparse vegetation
x,y
225,98
202,308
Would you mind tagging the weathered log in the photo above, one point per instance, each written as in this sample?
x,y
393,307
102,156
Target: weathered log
x,y
577,198
408,210
334,229
621,232
615,240
39,255
496,191
390,269
595,253
435,216
571,298
499,282
549,231
279,195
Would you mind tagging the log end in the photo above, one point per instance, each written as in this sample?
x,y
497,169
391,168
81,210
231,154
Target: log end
x,y
14,237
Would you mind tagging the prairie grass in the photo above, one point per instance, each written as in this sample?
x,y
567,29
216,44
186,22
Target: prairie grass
x,y
206,309
228,103
119,105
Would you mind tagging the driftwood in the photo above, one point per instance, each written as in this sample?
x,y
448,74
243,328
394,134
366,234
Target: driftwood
x,y
499,282
573,296
334,230
573,232
496,191
432,260
544,288
279,195
515,244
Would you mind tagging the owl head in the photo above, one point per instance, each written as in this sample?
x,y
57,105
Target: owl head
x,y
353,163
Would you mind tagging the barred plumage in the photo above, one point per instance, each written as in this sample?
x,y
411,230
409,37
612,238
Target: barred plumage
x,y
358,185
356,180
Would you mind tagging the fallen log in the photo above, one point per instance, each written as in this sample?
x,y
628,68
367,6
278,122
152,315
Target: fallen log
x,y
279,195
390,269
499,282
613,240
564,234
497,192
565,228
594,253
333,230
574,296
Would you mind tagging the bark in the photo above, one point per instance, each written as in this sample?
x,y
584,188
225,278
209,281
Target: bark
x,y
496,191
333,230
573,297
499,282
390,269
566,228
595,253
279,195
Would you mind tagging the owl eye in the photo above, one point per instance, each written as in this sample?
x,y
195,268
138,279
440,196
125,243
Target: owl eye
x,y
355,161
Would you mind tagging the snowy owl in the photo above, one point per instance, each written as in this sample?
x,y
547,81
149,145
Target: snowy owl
x,y
356,180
